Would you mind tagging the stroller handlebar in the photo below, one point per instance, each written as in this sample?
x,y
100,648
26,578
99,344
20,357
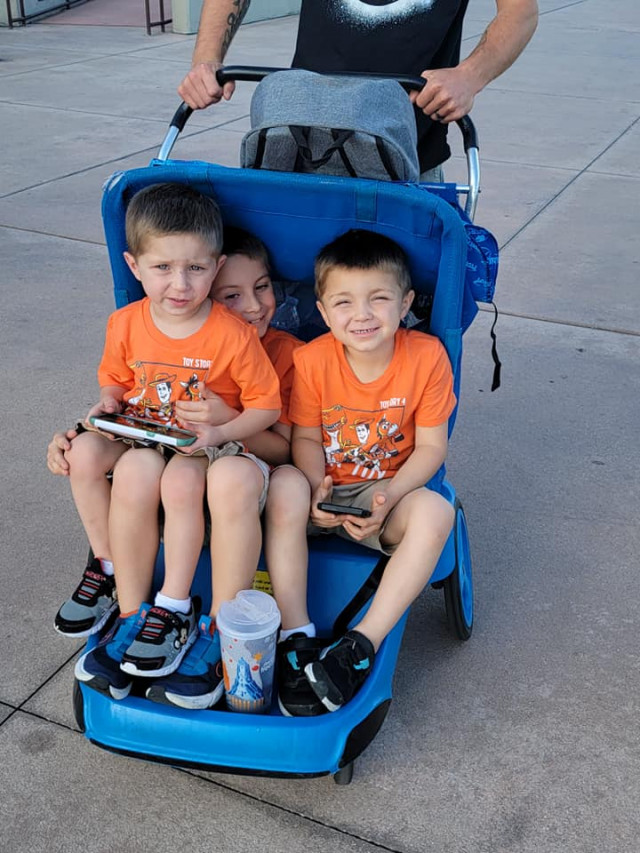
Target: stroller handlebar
x,y
254,74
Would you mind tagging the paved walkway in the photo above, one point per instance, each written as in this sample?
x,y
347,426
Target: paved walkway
x,y
108,13
524,740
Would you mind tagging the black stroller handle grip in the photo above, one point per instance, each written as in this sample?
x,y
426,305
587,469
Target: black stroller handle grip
x,y
180,117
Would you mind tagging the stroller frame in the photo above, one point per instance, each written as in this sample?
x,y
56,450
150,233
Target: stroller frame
x,y
295,215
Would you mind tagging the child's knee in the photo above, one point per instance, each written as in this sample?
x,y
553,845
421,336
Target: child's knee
x,y
89,455
288,497
136,476
234,484
431,513
183,485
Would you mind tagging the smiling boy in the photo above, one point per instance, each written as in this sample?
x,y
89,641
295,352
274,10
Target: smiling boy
x,y
174,238
370,405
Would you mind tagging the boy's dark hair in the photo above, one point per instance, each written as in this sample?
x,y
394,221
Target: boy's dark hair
x,y
162,209
364,250
237,241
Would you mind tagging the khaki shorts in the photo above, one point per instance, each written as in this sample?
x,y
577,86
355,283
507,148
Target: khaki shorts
x,y
361,495
265,470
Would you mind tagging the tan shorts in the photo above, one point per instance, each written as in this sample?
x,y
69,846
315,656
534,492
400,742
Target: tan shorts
x,y
361,495
265,470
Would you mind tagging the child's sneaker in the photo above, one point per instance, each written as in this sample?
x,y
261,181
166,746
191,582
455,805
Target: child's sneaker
x,y
295,695
100,668
161,643
90,606
198,683
341,670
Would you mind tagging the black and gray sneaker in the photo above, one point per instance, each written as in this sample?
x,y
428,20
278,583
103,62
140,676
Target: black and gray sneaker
x,y
90,606
161,643
295,696
198,683
341,670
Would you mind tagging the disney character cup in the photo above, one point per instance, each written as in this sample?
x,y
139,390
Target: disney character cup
x,y
248,628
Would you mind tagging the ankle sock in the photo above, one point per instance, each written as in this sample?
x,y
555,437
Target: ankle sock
x,y
309,630
175,605
107,566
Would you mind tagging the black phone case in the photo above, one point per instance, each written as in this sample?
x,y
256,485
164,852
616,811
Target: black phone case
x,y
325,506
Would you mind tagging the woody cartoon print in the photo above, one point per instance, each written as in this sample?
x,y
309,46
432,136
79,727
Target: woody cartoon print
x,y
159,386
366,441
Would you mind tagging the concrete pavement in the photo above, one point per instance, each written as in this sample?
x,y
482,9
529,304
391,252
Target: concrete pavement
x,y
525,739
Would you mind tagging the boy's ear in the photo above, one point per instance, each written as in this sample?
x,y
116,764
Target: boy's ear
x,y
407,301
323,313
131,263
221,262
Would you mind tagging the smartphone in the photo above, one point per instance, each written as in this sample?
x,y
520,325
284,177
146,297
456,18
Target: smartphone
x,y
144,429
344,510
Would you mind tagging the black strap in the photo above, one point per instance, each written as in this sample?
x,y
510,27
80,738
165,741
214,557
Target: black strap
x,y
386,160
301,138
343,156
262,141
366,591
494,352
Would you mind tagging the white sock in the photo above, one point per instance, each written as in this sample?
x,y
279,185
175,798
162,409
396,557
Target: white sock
x,y
309,630
175,605
107,566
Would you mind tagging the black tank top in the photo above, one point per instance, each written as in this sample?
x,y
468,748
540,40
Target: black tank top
x,y
389,36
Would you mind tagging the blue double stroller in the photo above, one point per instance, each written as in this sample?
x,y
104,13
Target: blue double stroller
x,y
453,265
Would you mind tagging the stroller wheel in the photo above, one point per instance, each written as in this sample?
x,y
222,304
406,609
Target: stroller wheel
x,y
344,775
458,586
78,705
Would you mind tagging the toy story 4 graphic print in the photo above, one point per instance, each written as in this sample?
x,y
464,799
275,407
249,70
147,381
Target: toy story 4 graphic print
x,y
367,13
363,442
158,386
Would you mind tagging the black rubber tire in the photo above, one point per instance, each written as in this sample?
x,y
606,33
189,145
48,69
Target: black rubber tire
x,y
344,775
458,586
78,705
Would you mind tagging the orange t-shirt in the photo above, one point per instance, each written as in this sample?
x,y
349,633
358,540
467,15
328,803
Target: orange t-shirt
x,y
368,429
225,354
280,346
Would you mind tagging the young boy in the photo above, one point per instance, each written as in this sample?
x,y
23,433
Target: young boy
x,y
157,350
244,286
370,405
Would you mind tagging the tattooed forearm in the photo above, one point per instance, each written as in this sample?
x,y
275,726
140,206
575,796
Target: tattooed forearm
x,y
233,22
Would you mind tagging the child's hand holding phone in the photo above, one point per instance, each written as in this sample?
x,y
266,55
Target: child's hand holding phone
x,y
323,494
361,528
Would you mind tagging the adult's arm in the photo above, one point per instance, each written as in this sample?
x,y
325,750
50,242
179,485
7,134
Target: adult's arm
x,y
219,22
449,92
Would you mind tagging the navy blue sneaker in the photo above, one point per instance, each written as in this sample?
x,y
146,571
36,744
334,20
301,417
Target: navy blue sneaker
x,y
198,682
341,670
100,668
161,643
295,695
